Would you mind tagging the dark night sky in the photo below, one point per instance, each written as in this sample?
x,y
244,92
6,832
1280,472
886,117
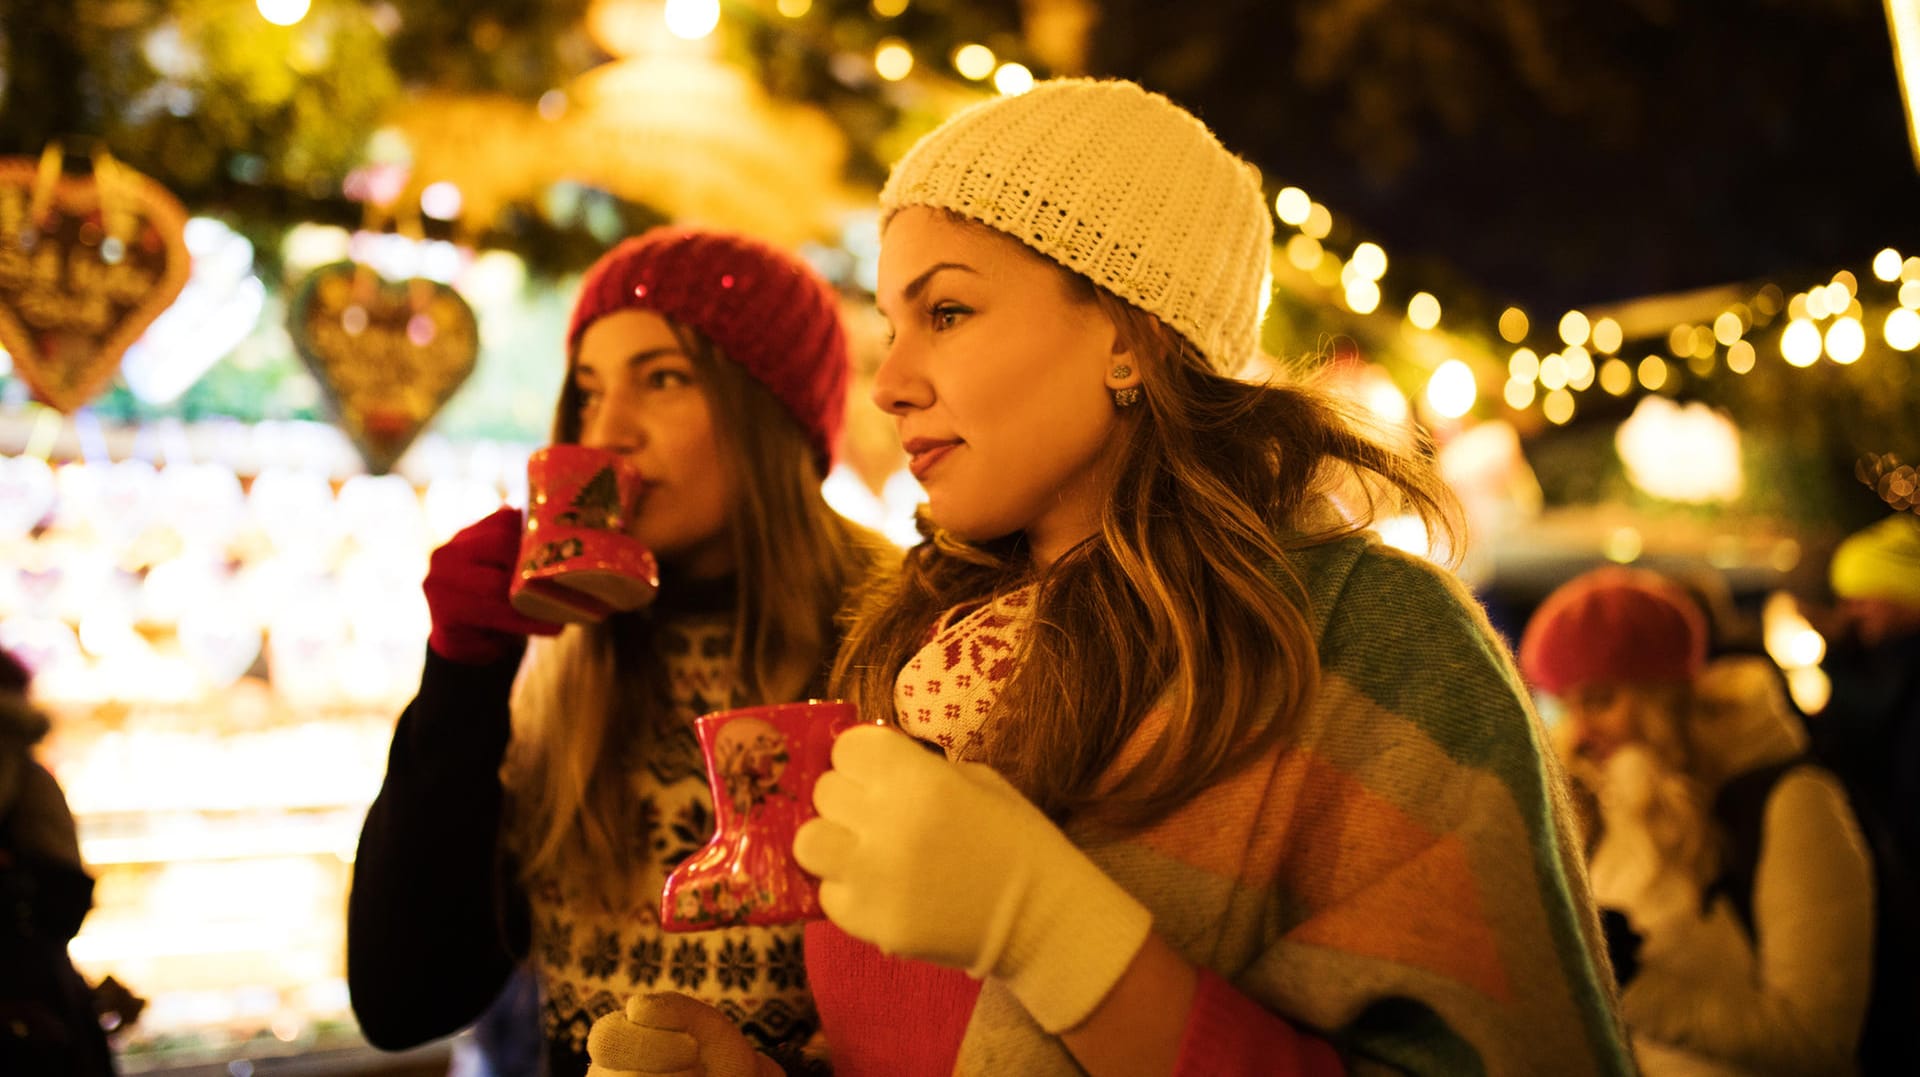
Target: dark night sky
x,y
1559,153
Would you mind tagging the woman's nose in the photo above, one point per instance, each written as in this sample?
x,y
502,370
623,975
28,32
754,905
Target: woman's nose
x,y
612,423
899,386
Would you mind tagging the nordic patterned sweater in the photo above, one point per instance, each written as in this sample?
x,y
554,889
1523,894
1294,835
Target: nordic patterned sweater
x,y
437,916
1399,877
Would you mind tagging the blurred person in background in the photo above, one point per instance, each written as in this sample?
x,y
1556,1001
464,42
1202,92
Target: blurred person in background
x,y
537,821
1870,727
48,1025
1736,861
1869,734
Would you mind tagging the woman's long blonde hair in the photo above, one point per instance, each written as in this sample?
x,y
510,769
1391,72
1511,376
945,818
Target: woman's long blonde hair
x,y
1184,596
595,699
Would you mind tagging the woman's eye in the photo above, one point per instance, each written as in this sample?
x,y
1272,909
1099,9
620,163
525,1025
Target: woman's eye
x,y
588,397
947,315
667,378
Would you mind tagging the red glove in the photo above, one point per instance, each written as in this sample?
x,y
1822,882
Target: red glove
x,y
466,586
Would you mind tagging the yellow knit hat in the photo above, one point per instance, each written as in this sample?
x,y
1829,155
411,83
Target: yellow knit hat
x,y
1881,561
1119,185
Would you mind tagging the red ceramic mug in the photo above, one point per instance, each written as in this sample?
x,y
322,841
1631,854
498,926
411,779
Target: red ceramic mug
x,y
761,766
577,562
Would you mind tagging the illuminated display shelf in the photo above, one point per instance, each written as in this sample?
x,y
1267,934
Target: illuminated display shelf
x,y
221,838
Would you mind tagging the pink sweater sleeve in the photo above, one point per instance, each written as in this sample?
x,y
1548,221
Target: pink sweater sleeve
x,y
1229,1033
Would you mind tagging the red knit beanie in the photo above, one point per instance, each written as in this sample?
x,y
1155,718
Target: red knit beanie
x,y
1614,624
766,309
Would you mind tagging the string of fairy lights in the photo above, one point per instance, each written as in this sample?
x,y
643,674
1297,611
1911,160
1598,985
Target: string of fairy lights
x,y
1550,363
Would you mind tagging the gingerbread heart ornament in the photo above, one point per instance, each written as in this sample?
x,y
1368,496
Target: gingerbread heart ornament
x,y
85,267
388,354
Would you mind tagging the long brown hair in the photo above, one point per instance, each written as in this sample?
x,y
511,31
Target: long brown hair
x,y
594,699
1183,598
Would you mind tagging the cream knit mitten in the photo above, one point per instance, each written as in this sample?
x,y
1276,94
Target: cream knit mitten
x,y
672,1035
948,863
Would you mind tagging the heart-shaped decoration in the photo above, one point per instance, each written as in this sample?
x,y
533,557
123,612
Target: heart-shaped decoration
x,y
387,354
82,281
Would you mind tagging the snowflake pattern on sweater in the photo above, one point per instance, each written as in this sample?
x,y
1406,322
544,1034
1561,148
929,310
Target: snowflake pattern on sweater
x,y
590,959
944,693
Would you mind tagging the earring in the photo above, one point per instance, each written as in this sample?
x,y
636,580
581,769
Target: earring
x,y
1122,371
1126,398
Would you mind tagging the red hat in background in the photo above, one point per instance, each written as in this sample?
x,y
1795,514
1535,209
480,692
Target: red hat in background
x,y
766,309
1614,624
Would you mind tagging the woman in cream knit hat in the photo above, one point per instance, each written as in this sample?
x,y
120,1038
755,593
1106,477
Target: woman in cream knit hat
x,y
1184,774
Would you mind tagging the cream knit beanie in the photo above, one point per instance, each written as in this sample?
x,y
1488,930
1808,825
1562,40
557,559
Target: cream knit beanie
x,y
1118,184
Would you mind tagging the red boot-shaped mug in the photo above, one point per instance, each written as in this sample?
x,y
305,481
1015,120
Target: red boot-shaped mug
x,y
577,561
761,766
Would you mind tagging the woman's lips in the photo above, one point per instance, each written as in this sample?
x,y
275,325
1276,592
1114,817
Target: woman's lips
x,y
923,453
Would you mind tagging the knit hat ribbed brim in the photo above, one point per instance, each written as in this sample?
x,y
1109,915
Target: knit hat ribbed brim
x,y
1118,184
765,309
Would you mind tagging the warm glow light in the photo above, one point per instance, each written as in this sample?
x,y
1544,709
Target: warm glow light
x,y
1606,336
1886,265
974,61
1687,453
1727,328
1579,368
1013,79
1810,688
893,60
1902,330
1624,545
1451,391
1369,260
1800,343
1513,325
1405,533
1519,394
1740,357
1319,221
1653,372
1790,640
1903,24
1846,340
1304,252
1817,308
1616,376
1553,372
1363,296
1423,310
282,12
691,20
1524,365
1574,328
887,9
1557,407
1292,205
793,9
441,201
1910,294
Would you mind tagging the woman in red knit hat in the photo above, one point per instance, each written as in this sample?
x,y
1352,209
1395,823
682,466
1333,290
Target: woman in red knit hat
x,y
1737,862
537,823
